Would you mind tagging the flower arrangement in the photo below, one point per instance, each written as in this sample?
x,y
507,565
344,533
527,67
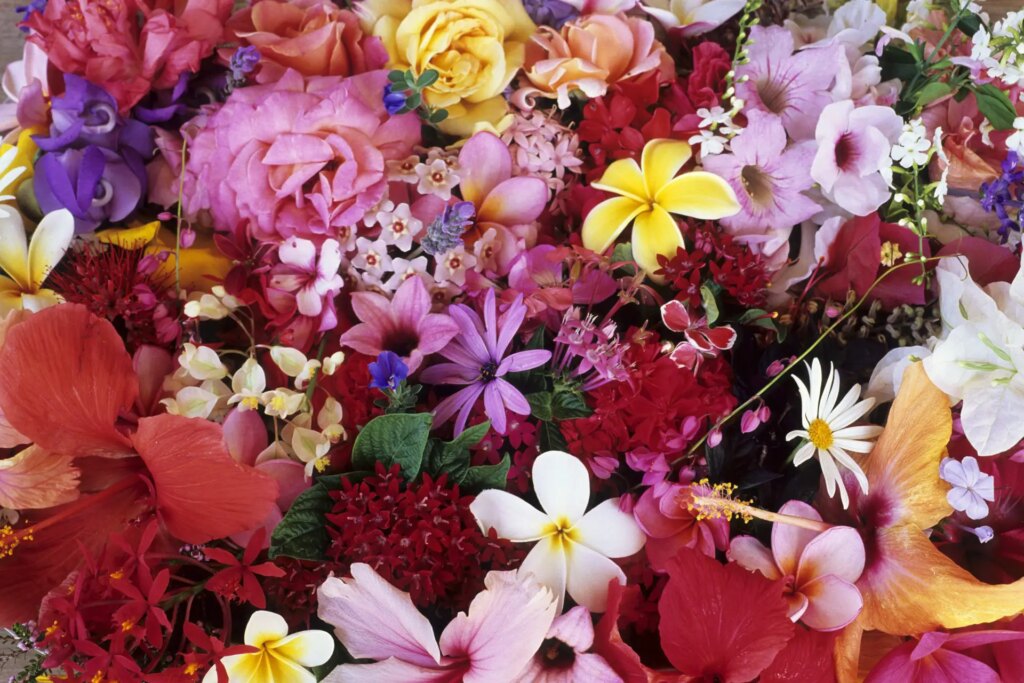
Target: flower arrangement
x,y
534,340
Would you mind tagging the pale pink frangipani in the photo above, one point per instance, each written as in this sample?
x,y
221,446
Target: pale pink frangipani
x,y
493,641
820,568
565,655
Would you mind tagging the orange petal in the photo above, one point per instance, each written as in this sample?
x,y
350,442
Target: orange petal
x,y
35,479
903,467
67,377
201,492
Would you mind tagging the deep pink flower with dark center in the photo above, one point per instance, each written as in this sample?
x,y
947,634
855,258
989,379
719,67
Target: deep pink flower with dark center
x,y
478,361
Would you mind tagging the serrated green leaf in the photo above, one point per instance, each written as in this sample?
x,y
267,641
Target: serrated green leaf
x,y
540,405
710,304
550,437
568,403
995,105
301,533
397,438
486,476
427,78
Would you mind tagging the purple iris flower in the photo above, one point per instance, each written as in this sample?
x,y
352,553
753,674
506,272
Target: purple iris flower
x,y
95,184
479,361
388,371
85,115
172,107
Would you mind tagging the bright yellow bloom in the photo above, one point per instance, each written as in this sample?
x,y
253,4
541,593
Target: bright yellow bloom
x,y
28,263
281,658
16,163
476,46
648,193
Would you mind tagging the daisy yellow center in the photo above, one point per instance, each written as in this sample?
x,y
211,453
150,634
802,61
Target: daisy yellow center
x,y
820,434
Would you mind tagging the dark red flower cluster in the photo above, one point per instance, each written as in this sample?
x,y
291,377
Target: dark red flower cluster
x,y
421,537
350,386
716,257
122,286
663,408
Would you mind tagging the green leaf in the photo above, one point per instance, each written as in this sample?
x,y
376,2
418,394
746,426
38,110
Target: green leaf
x,y
899,63
413,100
439,115
568,403
540,405
710,304
302,534
995,105
931,92
427,78
410,79
969,24
452,457
486,476
623,252
551,438
757,317
393,439
396,76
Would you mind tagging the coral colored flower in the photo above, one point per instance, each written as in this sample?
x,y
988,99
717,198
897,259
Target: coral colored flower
x,y
314,37
664,514
573,546
281,658
297,157
476,46
591,53
564,655
721,623
478,360
692,17
852,162
648,193
28,263
493,641
404,325
65,366
819,569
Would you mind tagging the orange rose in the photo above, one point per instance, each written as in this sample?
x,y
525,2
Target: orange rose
x,y
314,37
591,53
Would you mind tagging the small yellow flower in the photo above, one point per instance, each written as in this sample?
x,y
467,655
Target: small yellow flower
x,y
649,192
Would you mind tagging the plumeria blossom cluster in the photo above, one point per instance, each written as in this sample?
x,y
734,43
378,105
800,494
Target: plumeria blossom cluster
x,y
511,342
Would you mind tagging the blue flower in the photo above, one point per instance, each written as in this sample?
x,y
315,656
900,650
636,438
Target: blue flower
x,y
388,371
1004,196
393,101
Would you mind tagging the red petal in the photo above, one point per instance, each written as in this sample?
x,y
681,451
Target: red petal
x,y
675,316
67,377
807,658
719,620
201,492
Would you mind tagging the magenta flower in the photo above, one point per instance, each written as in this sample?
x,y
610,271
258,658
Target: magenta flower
x,y
403,325
769,181
564,656
791,87
478,360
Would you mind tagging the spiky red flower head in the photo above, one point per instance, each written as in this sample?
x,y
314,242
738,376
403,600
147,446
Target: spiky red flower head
x,y
421,537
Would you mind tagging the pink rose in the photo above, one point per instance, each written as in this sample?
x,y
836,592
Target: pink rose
x,y
296,157
314,37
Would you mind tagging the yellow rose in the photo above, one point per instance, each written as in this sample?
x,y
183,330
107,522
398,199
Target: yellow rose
x,y
476,46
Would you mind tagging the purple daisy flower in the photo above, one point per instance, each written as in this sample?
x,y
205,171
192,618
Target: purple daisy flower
x,y
478,361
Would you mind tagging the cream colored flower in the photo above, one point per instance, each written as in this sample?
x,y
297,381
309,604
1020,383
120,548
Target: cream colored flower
x,y
281,658
27,264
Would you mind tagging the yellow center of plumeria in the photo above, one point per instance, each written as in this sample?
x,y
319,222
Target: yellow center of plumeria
x,y
820,434
560,532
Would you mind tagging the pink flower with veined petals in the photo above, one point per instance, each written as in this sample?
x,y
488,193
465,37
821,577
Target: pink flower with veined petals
x,y
404,325
819,568
664,514
505,625
564,656
305,282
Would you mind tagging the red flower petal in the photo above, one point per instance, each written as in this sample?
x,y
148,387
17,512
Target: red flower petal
x,y
67,376
807,658
201,492
719,620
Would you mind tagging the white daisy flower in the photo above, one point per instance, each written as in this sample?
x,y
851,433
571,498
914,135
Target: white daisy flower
x,y
828,432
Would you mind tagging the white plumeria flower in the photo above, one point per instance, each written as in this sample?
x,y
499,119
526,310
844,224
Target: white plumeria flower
x,y
248,383
573,545
913,148
281,658
828,431
28,262
970,486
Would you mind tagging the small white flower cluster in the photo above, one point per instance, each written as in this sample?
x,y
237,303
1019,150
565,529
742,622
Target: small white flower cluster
x,y
913,148
1001,52
716,128
1016,140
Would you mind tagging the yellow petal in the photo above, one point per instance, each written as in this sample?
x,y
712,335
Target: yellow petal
x,y
14,248
623,177
904,464
10,296
130,238
661,160
202,264
699,194
49,243
607,220
655,232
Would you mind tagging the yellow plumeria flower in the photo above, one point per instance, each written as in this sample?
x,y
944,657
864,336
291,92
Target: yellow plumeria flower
x,y
282,658
28,263
649,192
16,166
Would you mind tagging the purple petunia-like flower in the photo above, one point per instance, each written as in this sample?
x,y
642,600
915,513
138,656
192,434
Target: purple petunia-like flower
x,y
479,361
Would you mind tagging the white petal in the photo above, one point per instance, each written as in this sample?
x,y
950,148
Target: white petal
x,y
265,627
952,471
805,453
971,470
562,485
833,479
853,446
798,434
977,508
14,248
852,414
306,648
510,516
49,243
829,394
547,564
609,531
851,398
850,464
588,575
806,405
860,432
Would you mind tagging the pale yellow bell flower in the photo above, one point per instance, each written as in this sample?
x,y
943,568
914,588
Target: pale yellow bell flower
x,y
27,264
281,658
649,192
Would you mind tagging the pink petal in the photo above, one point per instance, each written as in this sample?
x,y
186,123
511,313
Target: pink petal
x,y
748,552
838,551
788,541
516,201
289,475
364,338
245,435
388,671
410,303
484,162
494,406
435,331
832,603
574,628
35,479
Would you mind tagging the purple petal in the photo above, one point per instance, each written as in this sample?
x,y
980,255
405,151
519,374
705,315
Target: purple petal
x,y
524,360
510,323
449,373
491,325
513,398
494,406
469,327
